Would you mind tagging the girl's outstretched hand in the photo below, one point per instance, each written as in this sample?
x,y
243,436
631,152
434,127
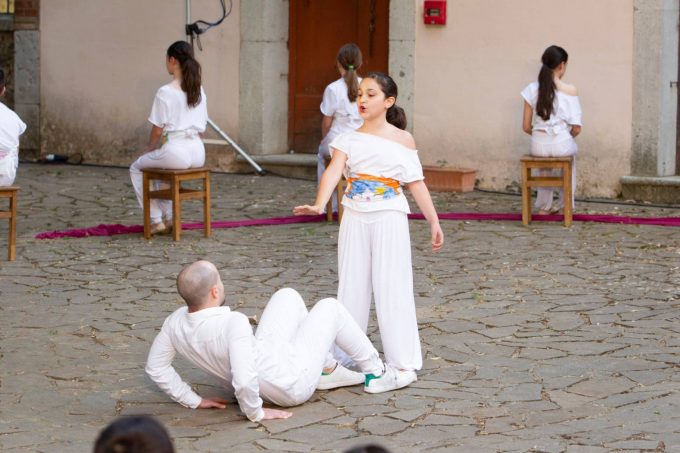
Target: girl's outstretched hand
x,y
437,237
307,210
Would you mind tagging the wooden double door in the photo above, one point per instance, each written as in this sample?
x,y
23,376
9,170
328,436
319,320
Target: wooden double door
x,y
318,28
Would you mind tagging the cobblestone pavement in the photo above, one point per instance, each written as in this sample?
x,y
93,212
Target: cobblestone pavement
x,y
535,339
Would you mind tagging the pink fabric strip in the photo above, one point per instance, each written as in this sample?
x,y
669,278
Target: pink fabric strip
x,y
113,229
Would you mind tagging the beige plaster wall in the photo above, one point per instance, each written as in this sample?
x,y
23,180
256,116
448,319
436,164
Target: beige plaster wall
x,y
470,71
102,62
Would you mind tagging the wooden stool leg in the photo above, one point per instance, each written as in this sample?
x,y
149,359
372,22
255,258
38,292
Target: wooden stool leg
x,y
568,189
147,207
329,210
526,195
176,209
207,227
12,249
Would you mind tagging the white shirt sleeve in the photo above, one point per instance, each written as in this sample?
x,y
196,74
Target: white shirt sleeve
x,y
160,111
574,111
22,125
529,93
412,169
240,342
329,103
160,370
341,143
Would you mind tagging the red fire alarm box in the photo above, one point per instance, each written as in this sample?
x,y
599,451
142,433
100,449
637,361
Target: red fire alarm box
x,y
435,12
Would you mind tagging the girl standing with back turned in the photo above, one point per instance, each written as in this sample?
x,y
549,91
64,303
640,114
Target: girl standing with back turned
x,y
339,105
554,109
374,248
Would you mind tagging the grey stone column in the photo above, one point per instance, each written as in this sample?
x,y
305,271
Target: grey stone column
x,y
27,87
263,109
655,103
402,53
655,68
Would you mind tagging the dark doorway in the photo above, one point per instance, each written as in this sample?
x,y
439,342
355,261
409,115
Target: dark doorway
x,y
318,28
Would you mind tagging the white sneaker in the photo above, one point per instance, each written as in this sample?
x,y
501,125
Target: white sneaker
x,y
340,377
391,379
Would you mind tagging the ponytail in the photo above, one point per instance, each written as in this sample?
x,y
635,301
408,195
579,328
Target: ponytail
x,y
552,57
191,71
396,116
546,93
352,82
349,58
191,81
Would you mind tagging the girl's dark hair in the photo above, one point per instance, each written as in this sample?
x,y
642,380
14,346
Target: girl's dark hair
x,y
349,57
551,59
395,114
2,79
191,70
134,435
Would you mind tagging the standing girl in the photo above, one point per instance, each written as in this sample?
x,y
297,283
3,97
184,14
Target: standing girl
x,y
339,107
554,109
374,249
178,115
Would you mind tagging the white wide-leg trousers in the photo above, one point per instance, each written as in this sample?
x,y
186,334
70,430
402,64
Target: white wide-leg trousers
x,y
177,154
544,145
294,346
374,259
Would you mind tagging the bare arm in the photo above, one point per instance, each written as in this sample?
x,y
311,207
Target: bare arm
x,y
527,117
326,124
575,130
154,138
424,202
329,181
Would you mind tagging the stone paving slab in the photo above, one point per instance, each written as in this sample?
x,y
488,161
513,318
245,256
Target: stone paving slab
x,y
534,339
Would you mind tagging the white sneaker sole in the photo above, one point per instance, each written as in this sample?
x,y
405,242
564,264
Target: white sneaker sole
x,y
401,383
341,377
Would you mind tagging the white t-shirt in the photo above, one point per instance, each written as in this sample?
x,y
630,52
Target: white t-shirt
x,y
171,112
566,111
216,340
345,113
378,157
11,127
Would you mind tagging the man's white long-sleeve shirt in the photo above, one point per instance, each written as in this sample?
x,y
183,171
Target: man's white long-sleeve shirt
x,y
216,340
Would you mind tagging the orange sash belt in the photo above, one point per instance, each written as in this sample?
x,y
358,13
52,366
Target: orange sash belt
x,y
389,182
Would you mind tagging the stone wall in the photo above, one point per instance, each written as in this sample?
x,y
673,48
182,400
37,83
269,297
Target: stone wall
x,y
7,58
27,73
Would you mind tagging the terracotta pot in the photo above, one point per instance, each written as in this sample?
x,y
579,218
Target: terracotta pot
x,y
448,179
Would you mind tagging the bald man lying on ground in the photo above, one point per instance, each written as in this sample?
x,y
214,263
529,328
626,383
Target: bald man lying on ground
x,y
283,363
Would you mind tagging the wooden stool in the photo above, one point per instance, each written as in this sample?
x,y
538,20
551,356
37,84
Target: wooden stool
x,y
340,191
11,214
176,193
528,181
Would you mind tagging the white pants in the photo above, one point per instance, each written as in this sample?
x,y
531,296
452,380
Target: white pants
x,y
9,162
294,346
177,154
374,258
561,145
